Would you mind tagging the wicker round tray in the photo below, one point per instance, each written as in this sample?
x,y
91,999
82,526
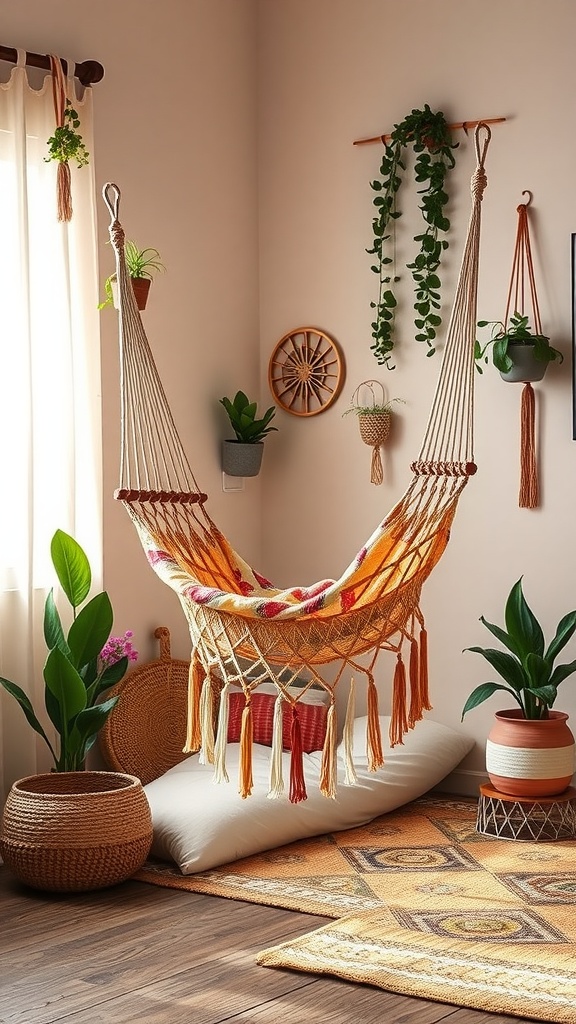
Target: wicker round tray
x,y
146,732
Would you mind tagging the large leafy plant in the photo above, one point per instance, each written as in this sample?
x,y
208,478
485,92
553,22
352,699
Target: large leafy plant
x,y
81,665
427,132
528,671
242,414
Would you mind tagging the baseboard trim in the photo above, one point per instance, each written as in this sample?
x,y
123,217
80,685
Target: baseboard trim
x,y
462,782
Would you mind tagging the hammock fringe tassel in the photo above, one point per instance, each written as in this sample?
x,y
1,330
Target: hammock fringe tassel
x,y
528,496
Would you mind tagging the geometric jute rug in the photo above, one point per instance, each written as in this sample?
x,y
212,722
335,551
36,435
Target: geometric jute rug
x,y
426,907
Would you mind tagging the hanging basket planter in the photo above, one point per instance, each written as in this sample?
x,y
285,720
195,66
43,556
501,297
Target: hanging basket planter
x,y
374,420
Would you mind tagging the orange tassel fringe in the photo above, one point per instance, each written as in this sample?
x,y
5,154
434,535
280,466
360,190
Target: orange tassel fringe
x,y
297,781
245,780
374,738
398,721
193,733
423,672
328,767
528,497
415,712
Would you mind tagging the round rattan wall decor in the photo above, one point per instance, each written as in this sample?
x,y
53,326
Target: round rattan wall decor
x,y
146,731
306,371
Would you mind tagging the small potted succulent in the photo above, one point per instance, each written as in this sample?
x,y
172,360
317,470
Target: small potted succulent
x,y
530,750
141,264
518,352
243,455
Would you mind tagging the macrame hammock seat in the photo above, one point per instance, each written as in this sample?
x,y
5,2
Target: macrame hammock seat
x,y
244,632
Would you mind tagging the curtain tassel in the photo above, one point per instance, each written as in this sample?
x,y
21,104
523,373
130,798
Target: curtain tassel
x,y
528,497
398,721
297,781
328,767
246,781
373,738
63,177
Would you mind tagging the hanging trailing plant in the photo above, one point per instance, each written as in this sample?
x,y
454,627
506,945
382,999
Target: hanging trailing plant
x,y
66,143
429,136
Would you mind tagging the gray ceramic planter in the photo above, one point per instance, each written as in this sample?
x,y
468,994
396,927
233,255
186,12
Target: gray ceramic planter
x,y
526,367
240,459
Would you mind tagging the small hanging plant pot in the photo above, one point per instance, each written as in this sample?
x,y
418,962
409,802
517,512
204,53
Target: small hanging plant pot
x,y
525,366
374,419
140,287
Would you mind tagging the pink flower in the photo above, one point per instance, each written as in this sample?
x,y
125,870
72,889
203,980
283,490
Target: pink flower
x,y
118,647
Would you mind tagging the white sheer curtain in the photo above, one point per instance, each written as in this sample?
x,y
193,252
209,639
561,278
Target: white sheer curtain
x,y
50,465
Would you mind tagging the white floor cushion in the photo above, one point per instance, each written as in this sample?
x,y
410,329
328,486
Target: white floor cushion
x,y
201,824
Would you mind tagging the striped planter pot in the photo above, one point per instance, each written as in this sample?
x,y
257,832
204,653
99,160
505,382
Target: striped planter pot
x,y
528,757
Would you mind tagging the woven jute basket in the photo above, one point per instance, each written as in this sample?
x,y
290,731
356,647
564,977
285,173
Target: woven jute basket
x,y
72,831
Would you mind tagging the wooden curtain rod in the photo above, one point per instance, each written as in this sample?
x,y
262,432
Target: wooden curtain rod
x,y
88,72
466,125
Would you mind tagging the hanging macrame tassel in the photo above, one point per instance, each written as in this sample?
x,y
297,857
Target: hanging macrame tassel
x,y
328,767
423,672
398,721
276,778
63,178
220,773
297,781
350,776
529,496
207,723
193,732
245,780
373,735
376,471
415,712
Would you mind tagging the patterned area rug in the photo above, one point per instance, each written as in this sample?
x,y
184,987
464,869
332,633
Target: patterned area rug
x,y
427,907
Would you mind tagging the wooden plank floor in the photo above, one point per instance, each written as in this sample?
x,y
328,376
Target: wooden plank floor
x,y
140,953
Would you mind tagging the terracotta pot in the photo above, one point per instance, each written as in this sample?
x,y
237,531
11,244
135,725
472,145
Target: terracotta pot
x,y
140,287
530,757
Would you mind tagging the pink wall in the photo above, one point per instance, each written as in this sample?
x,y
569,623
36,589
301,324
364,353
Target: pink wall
x,y
332,71
229,124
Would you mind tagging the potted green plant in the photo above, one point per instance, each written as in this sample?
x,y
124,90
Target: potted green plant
x,y
243,455
141,264
530,750
66,143
82,664
518,352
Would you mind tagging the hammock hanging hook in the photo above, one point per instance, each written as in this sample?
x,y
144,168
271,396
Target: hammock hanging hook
x,y
525,192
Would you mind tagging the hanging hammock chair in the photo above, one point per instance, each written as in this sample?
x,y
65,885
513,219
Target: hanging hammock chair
x,y
244,632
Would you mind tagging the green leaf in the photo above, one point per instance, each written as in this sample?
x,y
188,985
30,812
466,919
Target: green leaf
x,y
564,632
65,684
522,625
24,701
561,672
482,693
506,665
72,567
90,630
53,632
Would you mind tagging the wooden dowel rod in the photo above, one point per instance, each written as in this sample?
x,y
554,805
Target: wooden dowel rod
x,y
466,125
88,72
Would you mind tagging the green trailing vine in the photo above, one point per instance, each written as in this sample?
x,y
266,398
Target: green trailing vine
x,y
429,136
67,143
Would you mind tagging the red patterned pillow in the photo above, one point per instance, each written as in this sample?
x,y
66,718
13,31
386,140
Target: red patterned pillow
x,y
312,718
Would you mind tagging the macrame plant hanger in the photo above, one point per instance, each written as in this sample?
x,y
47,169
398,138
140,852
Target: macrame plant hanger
x,y
63,177
522,279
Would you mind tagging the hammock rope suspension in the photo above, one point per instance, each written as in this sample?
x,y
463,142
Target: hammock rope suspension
x,y
244,631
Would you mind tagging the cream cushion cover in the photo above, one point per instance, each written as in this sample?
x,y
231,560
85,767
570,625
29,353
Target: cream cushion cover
x,y
201,824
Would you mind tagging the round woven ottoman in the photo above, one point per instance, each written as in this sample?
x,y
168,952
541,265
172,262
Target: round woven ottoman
x,y
74,831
